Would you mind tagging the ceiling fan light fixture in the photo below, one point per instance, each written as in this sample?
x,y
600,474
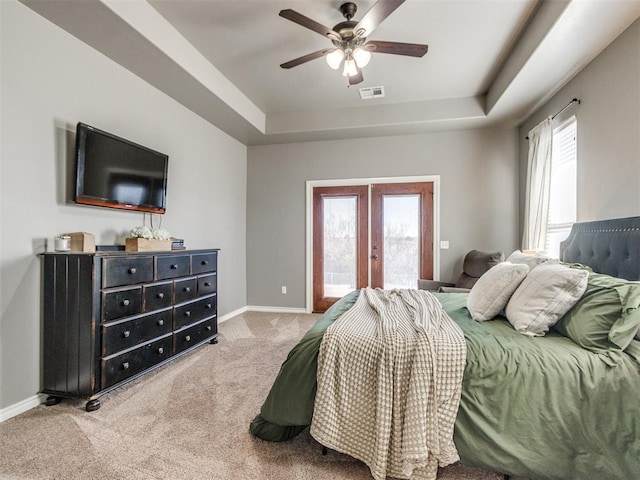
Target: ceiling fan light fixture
x,y
361,56
350,68
334,59
351,48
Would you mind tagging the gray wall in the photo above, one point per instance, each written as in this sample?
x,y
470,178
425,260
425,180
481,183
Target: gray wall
x,y
479,198
608,130
49,81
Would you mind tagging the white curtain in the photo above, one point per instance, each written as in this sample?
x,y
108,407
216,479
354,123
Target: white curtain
x,y
536,211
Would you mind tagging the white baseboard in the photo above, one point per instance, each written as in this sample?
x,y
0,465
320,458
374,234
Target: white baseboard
x,y
21,407
258,308
229,315
255,308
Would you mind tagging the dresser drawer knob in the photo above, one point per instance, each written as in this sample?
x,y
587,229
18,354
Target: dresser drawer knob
x,y
125,365
205,262
126,334
187,313
161,322
207,284
208,328
174,266
132,270
188,338
187,289
161,350
208,305
161,295
125,303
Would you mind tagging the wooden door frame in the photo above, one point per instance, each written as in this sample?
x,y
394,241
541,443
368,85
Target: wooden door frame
x,y
311,184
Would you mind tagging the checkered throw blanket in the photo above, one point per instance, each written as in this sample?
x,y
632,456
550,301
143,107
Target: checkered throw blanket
x,y
389,382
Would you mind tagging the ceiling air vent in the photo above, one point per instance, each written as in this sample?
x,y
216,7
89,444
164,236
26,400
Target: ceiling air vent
x,y
371,92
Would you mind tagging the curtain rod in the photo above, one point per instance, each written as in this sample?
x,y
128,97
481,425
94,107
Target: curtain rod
x,y
573,100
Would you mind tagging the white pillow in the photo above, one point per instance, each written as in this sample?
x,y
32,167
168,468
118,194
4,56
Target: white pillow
x,y
493,289
545,295
530,259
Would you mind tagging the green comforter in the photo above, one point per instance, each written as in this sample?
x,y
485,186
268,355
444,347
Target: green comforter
x,y
538,407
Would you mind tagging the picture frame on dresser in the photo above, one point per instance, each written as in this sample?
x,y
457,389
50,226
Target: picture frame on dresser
x,y
113,316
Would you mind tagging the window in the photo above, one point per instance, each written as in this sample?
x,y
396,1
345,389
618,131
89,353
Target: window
x,y
562,197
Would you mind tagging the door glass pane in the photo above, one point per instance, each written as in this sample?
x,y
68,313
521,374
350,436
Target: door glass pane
x,y
339,245
401,240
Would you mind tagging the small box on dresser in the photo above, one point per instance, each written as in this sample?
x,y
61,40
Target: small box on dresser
x,y
82,242
146,245
110,317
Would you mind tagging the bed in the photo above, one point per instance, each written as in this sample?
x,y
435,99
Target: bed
x,y
558,406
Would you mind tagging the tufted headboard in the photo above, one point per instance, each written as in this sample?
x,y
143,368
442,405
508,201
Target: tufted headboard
x,y
607,246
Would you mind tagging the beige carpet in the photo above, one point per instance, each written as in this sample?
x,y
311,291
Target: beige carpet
x,y
187,420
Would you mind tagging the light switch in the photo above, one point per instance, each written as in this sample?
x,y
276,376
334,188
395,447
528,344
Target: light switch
x,y
444,244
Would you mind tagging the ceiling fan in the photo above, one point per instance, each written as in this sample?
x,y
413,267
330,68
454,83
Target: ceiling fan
x,y
351,48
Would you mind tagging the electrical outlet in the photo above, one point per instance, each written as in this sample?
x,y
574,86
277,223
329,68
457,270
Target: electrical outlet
x,y
444,244
284,290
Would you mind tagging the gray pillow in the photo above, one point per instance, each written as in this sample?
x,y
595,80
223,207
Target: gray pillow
x,y
492,291
545,295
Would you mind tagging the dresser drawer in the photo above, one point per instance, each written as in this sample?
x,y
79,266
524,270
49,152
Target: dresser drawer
x,y
126,334
172,266
204,262
185,289
191,312
157,296
121,303
195,334
125,271
124,365
207,284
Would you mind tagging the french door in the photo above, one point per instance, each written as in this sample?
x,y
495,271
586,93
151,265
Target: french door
x,y
340,232
379,235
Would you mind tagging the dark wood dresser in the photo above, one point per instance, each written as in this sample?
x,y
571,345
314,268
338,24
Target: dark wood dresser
x,y
110,317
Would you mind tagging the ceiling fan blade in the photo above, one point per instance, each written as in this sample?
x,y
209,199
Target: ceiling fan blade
x,y
397,48
308,23
306,58
374,17
356,79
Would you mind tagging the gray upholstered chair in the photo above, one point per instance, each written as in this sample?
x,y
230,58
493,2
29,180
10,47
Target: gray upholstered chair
x,y
474,265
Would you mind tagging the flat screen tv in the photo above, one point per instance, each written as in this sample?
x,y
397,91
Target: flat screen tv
x,y
117,173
